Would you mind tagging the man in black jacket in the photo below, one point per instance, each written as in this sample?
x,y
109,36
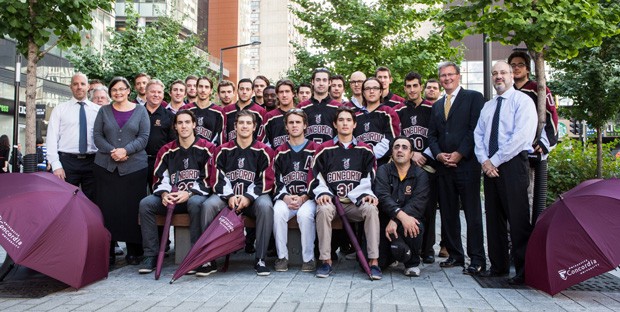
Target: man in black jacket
x,y
402,189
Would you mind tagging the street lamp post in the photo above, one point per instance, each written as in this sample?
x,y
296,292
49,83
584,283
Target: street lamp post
x,y
18,74
253,43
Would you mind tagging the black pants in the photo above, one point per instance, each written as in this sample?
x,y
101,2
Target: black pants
x,y
505,200
414,243
79,172
428,239
456,189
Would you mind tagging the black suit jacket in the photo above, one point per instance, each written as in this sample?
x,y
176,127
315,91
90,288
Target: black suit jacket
x,y
457,132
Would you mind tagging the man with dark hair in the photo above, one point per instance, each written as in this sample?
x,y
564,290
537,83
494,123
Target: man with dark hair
x,y
387,97
258,86
336,88
415,115
190,85
377,123
291,165
242,180
269,98
402,189
177,95
321,109
244,102
226,92
161,121
210,117
139,83
520,63
274,131
343,169
304,92
451,140
182,162
432,90
501,147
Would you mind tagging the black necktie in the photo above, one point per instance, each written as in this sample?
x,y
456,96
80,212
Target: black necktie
x,y
83,141
493,140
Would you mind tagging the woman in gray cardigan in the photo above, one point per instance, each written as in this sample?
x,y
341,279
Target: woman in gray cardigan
x,y
121,133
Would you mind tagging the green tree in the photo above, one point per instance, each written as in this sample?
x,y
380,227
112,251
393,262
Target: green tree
x,y
351,35
38,26
551,29
157,49
592,81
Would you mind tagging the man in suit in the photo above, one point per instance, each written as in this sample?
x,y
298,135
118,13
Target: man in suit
x,y
451,140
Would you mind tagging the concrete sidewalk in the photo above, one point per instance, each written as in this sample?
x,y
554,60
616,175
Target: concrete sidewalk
x,y
349,289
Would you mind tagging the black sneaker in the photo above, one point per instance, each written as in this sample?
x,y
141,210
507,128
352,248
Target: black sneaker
x,y
148,265
260,268
206,269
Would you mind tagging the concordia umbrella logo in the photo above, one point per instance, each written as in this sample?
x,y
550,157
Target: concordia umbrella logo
x,y
10,234
579,268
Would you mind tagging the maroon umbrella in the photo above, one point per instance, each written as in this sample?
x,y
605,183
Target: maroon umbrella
x,y
50,226
347,227
166,231
576,238
223,236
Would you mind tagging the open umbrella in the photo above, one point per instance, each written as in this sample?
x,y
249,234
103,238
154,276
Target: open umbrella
x,y
223,236
166,232
347,227
50,226
576,238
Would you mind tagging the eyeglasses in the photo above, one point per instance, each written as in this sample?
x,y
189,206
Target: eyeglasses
x,y
403,147
372,88
502,72
448,75
517,65
118,90
353,82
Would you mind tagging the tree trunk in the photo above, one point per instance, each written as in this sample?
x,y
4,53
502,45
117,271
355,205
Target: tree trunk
x,y
599,152
31,94
539,62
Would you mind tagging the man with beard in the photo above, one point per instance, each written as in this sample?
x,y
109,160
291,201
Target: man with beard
x,y
242,180
226,92
258,86
321,109
274,131
432,90
244,102
503,135
336,88
139,84
190,85
414,117
177,95
210,117
182,162
304,92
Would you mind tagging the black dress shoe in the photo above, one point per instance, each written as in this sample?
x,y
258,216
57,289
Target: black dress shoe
x,y
133,260
451,262
474,269
492,273
516,281
428,259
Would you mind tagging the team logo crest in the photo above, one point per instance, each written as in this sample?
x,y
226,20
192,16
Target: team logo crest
x,y
414,120
157,123
240,162
317,118
296,165
346,163
367,126
185,163
200,121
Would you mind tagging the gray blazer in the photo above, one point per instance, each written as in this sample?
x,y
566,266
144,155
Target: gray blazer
x,y
132,137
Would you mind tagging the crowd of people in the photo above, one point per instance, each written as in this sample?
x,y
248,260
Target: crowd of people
x,y
283,151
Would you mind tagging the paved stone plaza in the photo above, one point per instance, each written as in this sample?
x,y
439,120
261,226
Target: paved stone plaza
x,y
349,289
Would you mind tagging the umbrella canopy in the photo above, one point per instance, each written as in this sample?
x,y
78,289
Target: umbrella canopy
x,y
223,236
576,237
347,227
50,226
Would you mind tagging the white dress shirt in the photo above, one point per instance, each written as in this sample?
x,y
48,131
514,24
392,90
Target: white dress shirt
x,y
63,130
516,131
